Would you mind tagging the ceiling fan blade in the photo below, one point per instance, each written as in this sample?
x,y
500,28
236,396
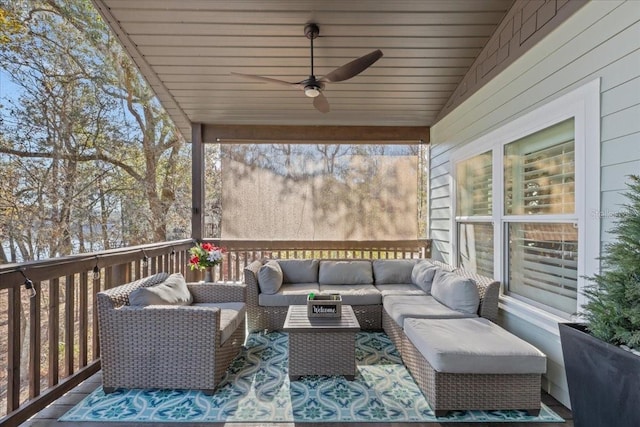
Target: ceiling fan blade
x,y
265,79
321,104
352,68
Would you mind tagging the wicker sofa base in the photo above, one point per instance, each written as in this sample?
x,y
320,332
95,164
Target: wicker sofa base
x,y
451,391
272,318
393,331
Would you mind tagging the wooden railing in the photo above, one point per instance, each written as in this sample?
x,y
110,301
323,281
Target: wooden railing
x,y
50,340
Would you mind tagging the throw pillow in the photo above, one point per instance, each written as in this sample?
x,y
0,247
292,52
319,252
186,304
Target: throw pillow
x,y
456,292
270,277
390,271
422,275
173,291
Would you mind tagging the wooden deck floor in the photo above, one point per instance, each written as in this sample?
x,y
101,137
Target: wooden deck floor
x,y
50,415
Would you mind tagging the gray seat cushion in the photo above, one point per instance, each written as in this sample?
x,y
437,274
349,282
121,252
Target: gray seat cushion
x,y
345,273
399,289
299,270
231,316
401,307
354,294
387,271
289,294
473,346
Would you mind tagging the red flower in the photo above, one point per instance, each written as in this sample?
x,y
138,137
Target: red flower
x,y
194,260
208,247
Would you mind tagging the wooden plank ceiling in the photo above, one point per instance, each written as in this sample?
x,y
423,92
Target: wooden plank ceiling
x,y
187,50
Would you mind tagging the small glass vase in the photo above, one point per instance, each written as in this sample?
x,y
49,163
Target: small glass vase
x,y
208,274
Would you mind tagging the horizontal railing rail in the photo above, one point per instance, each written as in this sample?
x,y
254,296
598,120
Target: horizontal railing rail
x,y
50,332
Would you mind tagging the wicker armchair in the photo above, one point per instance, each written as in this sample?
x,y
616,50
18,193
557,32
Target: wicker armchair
x,y
172,347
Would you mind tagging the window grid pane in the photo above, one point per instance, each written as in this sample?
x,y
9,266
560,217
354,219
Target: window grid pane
x,y
543,263
475,186
475,247
540,172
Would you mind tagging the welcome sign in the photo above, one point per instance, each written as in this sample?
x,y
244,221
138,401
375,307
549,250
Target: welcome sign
x,y
324,305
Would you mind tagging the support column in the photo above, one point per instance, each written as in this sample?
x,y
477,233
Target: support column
x,y
197,181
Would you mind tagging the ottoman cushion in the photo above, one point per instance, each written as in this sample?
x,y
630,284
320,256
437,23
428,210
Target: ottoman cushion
x,y
473,346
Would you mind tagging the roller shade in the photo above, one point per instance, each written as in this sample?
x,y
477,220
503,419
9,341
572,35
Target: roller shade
x,y
319,192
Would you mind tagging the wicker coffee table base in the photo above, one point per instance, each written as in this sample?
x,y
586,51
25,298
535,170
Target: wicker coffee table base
x,y
451,391
323,353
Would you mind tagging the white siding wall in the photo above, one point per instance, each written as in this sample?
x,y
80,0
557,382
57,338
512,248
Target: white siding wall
x,y
601,40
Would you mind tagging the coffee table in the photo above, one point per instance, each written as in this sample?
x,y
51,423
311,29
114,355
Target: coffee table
x,y
321,345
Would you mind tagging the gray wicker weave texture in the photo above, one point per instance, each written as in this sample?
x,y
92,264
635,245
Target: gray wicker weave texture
x,y
447,391
393,330
321,346
166,346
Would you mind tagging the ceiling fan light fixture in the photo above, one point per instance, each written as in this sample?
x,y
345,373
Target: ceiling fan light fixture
x,y
311,91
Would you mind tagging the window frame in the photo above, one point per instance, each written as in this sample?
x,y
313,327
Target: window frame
x,y
583,105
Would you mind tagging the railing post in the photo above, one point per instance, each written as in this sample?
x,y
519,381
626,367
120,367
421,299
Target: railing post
x,y
13,362
54,334
69,312
120,274
34,342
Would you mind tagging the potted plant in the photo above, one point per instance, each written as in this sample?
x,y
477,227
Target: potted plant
x,y
601,356
205,256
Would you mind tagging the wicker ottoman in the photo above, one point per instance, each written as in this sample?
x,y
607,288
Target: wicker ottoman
x,y
467,364
322,345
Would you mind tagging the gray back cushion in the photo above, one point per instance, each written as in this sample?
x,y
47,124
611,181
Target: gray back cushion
x,y
299,270
270,277
422,275
456,292
389,271
173,291
345,273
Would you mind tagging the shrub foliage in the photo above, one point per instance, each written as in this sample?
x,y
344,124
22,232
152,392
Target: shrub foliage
x,y
613,308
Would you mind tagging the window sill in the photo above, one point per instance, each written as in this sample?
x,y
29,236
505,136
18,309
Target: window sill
x,y
534,315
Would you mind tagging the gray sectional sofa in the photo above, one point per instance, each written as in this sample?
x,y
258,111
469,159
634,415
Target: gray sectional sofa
x,y
401,286
440,319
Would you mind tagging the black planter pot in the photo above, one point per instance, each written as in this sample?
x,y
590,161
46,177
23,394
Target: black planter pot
x,y
604,380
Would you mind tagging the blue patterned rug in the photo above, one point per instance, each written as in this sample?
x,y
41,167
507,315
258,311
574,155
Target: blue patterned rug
x,y
256,388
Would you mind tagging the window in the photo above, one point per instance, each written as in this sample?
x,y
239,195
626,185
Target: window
x,y
521,204
474,204
539,184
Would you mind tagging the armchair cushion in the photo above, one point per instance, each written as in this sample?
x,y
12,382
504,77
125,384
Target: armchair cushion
x,y
173,291
231,316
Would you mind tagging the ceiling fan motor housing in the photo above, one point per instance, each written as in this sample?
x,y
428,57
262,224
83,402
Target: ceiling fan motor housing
x,y
311,30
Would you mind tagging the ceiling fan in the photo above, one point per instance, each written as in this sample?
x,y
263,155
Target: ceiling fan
x,y
313,86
